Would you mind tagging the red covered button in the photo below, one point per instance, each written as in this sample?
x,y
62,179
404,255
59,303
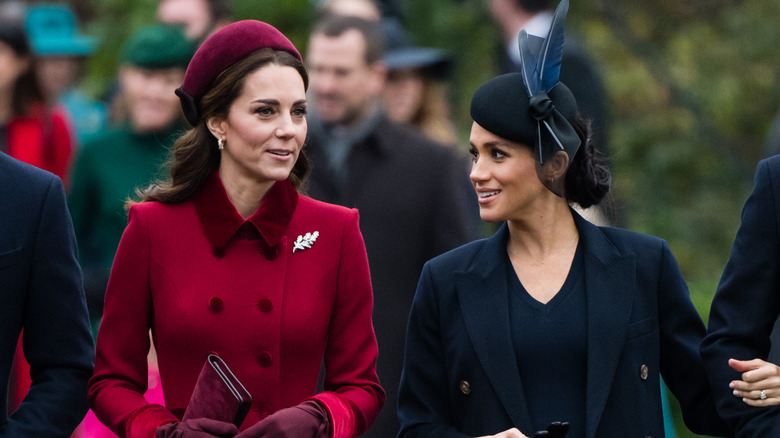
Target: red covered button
x,y
265,305
262,410
265,359
216,304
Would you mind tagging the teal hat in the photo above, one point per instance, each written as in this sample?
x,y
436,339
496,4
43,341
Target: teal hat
x,y
53,31
157,47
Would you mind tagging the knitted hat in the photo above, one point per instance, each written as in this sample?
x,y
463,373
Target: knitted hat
x,y
220,51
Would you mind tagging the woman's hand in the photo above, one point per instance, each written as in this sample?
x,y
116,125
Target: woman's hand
x,y
760,384
510,433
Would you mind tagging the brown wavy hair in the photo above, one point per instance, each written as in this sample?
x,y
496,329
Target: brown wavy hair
x,y
195,155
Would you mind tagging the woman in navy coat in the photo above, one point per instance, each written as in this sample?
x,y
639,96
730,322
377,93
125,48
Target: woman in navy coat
x,y
229,257
552,319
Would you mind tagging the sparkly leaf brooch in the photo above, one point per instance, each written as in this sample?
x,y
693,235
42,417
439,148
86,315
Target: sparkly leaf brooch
x,y
305,241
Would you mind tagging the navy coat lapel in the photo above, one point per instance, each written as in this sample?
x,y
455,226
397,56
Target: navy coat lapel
x,y
483,294
610,286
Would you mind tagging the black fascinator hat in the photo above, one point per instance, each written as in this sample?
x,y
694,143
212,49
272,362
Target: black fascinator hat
x,y
532,107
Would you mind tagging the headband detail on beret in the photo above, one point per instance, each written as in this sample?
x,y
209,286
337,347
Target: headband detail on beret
x,y
540,61
220,51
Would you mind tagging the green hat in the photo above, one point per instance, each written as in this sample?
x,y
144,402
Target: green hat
x,y
157,47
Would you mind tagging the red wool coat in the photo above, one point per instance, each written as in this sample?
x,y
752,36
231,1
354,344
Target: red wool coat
x,y
272,310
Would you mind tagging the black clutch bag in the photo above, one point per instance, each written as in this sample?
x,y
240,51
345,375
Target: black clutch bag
x,y
218,394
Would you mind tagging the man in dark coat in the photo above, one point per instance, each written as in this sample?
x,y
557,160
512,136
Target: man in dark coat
x,y
746,306
414,196
41,293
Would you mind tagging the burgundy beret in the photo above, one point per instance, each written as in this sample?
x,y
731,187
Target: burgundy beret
x,y
221,50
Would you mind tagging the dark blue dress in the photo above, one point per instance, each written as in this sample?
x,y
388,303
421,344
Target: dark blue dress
x,y
550,344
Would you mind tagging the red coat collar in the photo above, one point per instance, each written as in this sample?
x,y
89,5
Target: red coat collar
x,y
221,221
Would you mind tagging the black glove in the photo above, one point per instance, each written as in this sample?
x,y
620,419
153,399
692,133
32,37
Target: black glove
x,y
197,428
306,420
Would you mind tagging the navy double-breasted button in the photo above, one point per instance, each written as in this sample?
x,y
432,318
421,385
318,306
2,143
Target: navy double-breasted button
x,y
465,387
644,372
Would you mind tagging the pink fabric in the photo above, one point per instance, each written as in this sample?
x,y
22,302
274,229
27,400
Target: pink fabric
x,y
342,422
91,427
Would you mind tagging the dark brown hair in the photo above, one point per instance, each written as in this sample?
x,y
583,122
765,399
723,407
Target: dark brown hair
x,y
588,178
337,25
27,92
195,155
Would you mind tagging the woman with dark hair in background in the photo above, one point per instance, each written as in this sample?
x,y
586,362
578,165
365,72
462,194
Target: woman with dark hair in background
x,y
416,89
552,319
29,130
227,257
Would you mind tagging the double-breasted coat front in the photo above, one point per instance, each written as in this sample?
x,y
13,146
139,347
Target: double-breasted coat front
x,y
275,295
461,376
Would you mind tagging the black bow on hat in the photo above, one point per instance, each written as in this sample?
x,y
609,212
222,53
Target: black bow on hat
x,y
541,67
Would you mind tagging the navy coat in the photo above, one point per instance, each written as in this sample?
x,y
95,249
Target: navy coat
x,y
747,304
460,373
41,292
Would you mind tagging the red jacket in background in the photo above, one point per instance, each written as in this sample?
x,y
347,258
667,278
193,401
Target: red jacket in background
x,y
42,139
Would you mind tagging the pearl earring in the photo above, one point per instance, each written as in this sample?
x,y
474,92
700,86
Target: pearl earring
x,y
221,143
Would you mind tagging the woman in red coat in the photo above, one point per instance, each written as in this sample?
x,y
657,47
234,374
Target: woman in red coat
x,y
227,257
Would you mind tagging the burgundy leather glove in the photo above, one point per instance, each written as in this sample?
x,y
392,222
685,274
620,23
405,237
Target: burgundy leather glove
x,y
306,420
197,428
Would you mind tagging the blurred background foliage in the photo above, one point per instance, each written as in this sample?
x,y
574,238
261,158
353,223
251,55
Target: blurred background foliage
x,y
691,85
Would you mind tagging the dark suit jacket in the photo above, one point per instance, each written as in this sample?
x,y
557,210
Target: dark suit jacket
x,y
747,304
460,372
41,292
416,202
